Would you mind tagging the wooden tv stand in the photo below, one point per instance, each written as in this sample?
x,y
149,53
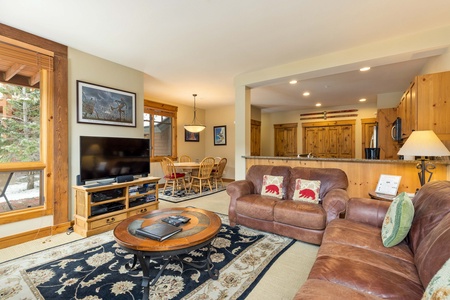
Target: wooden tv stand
x,y
100,208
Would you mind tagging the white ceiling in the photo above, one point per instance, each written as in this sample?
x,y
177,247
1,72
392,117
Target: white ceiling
x,y
200,46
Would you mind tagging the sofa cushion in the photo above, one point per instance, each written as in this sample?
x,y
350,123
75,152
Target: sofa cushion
x,y
272,186
330,178
439,286
397,221
256,206
300,214
255,175
307,190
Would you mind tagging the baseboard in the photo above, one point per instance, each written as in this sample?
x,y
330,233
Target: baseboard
x,y
33,234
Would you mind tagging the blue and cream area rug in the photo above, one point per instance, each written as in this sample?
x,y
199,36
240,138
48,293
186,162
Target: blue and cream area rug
x,y
94,268
181,196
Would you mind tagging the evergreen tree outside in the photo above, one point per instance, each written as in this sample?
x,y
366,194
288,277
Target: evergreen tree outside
x,y
20,129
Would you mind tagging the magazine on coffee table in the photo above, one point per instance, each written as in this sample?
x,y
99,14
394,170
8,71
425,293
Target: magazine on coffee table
x,y
158,231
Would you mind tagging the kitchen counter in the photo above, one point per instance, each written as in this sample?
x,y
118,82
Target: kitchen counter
x,y
363,174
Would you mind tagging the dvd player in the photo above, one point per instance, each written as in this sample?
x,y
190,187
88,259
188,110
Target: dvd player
x,y
106,208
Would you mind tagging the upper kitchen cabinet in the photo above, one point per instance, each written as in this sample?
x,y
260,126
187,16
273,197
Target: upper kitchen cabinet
x,y
433,107
425,106
407,110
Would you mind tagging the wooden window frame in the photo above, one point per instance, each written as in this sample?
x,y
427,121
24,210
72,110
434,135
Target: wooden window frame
x,y
156,108
56,154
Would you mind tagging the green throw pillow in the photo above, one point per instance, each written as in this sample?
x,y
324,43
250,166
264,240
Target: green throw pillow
x,y
397,221
439,286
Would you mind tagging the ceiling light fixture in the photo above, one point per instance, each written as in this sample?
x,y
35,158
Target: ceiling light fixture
x,y
293,81
306,94
362,100
364,69
318,104
194,126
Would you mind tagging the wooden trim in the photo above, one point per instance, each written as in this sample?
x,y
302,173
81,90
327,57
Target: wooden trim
x,y
286,125
160,106
329,123
33,234
59,153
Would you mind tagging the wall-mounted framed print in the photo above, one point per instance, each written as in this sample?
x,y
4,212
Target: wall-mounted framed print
x,y
102,105
191,136
220,135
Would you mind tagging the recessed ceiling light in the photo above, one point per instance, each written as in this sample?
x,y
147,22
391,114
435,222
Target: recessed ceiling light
x,y
306,94
362,100
364,69
293,81
318,104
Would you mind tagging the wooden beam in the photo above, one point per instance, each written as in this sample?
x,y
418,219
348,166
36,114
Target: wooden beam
x,y
13,70
35,78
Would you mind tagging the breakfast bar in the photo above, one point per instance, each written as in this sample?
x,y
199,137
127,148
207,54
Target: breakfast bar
x,y
363,174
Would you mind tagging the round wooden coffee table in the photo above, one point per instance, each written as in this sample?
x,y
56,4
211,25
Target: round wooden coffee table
x,y
199,232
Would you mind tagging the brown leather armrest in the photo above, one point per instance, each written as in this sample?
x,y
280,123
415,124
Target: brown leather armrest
x,y
334,203
235,190
368,211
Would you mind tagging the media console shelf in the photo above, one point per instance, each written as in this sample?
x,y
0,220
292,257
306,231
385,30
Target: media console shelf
x,y
101,208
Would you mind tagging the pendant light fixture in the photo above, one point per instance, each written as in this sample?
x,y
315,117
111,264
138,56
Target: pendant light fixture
x,y
194,126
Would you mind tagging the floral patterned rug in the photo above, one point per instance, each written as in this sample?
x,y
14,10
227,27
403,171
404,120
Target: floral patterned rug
x,y
181,196
94,268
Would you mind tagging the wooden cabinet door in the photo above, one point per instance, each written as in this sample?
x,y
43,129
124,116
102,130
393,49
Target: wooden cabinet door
x,y
334,141
285,139
346,142
329,139
434,106
255,142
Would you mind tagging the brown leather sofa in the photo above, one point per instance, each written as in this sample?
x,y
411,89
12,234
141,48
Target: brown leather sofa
x,y
352,262
296,219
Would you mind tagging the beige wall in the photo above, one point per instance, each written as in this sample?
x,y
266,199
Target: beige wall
x,y
92,69
223,115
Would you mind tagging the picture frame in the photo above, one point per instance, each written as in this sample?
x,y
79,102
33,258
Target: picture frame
x,y
101,105
191,136
220,135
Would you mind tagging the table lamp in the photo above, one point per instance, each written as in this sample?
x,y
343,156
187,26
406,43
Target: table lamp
x,y
424,143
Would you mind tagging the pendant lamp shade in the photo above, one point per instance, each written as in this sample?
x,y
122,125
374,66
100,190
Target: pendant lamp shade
x,y
195,126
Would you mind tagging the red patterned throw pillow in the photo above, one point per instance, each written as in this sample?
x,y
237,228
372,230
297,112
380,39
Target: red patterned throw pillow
x,y
272,186
307,190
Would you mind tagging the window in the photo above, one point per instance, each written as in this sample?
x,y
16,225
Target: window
x,y
160,124
34,127
20,136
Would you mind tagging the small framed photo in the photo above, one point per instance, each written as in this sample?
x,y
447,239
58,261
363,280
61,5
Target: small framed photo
x,y
220,135
102,105
191,136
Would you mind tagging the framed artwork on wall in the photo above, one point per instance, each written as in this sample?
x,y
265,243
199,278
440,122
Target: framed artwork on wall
x,y
220,135
191,136
102,105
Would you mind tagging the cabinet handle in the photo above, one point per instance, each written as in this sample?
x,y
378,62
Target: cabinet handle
x,y
143,210
111,220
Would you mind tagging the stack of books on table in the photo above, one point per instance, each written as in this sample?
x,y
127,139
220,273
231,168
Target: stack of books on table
x,y
158,231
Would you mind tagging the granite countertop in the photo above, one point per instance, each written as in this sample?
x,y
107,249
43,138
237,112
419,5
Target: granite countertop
x,y
350,160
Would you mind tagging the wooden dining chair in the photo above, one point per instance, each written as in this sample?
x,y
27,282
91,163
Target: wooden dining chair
x,y
202,178
185,158
171,176
217,172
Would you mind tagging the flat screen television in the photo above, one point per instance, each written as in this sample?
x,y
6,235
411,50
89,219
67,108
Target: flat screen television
x,y
108,157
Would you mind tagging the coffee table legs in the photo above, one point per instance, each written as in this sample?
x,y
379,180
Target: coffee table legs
x,y
144,261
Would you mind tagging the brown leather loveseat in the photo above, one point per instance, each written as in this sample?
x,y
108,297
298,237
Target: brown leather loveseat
x,y
300,220
352,262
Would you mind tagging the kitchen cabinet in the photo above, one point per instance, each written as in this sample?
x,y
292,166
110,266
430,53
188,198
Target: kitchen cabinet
x,y
433,93
329,139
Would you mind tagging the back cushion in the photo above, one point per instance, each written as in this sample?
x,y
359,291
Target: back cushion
x,y
329,178
256,173
433,251
431,205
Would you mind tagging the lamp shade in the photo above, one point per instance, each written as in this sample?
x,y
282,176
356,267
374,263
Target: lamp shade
x,y
195,126
423,143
